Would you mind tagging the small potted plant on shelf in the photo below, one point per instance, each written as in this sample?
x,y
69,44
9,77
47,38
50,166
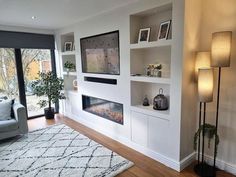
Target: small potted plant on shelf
x,y
49,86
69,66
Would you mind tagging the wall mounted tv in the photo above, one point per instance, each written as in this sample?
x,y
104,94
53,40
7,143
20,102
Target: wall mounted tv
x,y
100,54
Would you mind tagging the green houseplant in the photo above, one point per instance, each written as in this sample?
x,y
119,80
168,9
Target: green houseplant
x,y
210,133
69,66
49,85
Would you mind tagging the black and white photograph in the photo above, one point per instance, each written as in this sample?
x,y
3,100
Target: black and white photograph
x,y
144,35
164,30
68,46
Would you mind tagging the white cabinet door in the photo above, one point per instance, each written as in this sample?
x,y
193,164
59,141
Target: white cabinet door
x,y
158,134
139,128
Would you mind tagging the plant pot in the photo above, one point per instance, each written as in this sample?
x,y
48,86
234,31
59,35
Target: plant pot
x,y
49,114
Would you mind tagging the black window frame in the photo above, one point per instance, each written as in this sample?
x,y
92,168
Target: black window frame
x,y
20,78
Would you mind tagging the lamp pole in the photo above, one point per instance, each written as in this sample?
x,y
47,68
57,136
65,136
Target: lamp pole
x,y
217,113
203,135
199,125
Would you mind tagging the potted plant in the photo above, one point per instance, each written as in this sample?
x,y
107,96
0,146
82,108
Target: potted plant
x,y
48,85
69,66
210,133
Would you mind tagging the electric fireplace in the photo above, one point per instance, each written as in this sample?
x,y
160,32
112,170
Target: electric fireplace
x,y
107,109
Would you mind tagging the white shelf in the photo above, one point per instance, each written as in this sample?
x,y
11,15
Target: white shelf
x,y
68,53
70,73
143,45
148,110
158,80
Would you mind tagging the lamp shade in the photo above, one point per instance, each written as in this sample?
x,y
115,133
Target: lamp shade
x,y
221,49
205,85
203,60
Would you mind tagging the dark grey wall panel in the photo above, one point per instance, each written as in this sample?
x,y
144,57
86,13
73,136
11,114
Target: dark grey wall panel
x,y
10,39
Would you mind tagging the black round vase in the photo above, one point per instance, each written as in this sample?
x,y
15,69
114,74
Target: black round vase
x,y
49,113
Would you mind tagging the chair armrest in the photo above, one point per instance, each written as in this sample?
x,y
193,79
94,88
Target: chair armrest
x,y
21,116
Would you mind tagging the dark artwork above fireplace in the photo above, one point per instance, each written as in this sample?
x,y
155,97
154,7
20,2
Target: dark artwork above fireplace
x,y
100,54
103,108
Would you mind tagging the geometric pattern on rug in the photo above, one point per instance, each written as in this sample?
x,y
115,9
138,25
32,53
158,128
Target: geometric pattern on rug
x,y
58,151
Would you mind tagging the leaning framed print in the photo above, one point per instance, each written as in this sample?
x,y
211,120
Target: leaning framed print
x,y
164,30
144,35
68,46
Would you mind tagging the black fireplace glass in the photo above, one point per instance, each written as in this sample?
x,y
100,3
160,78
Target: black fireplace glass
x,y
107,109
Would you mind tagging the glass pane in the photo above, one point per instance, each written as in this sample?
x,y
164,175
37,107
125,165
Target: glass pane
x,y
34,61
8,76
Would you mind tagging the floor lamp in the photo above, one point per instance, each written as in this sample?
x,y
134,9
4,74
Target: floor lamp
x,y
205,94
203,60
220,57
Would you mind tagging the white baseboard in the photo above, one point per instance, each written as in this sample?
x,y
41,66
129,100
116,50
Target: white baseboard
x,y
230,168
187,161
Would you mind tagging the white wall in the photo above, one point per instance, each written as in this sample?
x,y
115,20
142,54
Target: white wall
x,y
119,20
217,16
192,29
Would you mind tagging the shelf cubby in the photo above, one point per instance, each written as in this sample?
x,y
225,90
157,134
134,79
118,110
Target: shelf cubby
x,y
70,58
141,58
69,37
141,89
151,18
68,82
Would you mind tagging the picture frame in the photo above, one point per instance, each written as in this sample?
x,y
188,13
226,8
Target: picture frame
x,y
144,35
68,46
164,30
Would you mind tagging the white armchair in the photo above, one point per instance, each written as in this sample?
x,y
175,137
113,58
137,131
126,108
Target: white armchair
x,y
15,126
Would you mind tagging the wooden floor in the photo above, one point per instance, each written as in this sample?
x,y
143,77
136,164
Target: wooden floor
x,y
144,166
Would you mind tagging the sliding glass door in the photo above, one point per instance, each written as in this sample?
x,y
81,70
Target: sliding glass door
x,y
8,75
33,62
18,69
22,56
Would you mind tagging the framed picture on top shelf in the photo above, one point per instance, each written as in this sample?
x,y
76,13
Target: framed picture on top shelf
x,y
164,30
68,46
144,35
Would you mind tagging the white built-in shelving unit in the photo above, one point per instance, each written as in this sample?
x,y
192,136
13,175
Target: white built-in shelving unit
x,y
70,56
152,132
145,121
153,52
69,77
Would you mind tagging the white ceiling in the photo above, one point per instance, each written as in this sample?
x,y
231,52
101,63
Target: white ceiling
x,y
53,14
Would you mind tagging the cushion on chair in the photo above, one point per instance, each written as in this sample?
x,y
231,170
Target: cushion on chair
x,y
5,110
3,98
8,125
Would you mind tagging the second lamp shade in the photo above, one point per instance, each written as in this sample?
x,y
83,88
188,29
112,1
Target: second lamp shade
x,y
203,60
205,85
221,49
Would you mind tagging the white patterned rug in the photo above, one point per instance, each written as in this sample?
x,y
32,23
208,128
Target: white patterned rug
x,y
58,151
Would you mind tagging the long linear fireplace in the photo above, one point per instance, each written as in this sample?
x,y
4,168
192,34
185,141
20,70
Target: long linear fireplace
x,y
107,109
